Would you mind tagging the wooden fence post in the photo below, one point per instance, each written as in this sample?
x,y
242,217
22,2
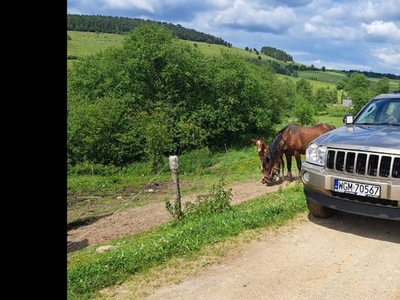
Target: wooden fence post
x,y
173,165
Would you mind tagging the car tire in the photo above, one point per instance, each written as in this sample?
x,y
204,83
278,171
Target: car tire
x,y
319,211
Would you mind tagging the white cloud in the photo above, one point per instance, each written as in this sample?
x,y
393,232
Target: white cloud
x,y
358,34
131,4
382,29
245,16
389,57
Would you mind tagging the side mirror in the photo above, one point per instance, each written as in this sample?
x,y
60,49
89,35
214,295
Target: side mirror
x,y
348,119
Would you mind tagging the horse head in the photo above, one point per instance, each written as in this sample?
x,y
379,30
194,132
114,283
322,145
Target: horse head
x,y
262,148
271,163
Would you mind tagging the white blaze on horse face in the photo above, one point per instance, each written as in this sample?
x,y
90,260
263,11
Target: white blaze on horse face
x,y
261,149
259,146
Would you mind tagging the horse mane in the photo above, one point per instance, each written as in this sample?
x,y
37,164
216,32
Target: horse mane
x,y
275,147
285,128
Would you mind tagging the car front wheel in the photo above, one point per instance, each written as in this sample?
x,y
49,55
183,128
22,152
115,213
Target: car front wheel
x,y
319,211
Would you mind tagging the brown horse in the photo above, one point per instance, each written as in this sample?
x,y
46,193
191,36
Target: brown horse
x,y
262,149
292,140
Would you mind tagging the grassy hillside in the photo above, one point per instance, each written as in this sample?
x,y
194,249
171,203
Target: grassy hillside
x,y
327,76
83,43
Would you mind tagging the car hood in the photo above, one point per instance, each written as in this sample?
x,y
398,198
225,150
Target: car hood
x,y
362,137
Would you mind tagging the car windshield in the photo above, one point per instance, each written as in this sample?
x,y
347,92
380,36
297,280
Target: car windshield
x,y
380,111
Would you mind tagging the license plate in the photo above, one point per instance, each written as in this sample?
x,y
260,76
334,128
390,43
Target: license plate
x,y
356,188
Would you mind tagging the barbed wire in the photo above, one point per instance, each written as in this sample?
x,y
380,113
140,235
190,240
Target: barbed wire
x,y
120,208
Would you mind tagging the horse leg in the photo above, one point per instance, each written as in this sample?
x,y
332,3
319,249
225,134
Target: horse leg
x,y
289,167
298,163
282,169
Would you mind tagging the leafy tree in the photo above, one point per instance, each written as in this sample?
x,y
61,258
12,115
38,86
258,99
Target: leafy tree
x,y
101,132
357,87
286,90
383,86
153,80
304,111
242,100
341,84
157,130
304,89
321,99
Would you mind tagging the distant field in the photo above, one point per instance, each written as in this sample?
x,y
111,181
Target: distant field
x,y
393,84
327,76
83,43
213,49
315,83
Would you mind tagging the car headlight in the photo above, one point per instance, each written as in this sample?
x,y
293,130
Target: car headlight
x,y
316,154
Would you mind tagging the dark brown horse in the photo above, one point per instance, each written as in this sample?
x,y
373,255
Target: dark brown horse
x,y
262,149
292,140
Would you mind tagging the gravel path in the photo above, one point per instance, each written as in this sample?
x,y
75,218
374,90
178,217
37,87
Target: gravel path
x,y
345,257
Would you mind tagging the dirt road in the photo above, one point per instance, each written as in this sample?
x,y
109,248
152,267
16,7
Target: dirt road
x,y
345,257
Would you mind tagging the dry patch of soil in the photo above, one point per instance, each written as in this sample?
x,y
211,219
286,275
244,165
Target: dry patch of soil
x,y
142,218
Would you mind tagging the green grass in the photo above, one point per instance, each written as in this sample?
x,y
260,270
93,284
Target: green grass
x,y
327,76
84,43
316,84
198,171
88,271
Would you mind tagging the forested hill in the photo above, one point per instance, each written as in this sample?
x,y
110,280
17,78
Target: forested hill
x,y
121,25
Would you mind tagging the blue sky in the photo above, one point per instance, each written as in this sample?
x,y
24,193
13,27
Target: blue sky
x,y
342,35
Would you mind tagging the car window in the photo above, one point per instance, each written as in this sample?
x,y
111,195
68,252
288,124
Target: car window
x,y
380,112
368,115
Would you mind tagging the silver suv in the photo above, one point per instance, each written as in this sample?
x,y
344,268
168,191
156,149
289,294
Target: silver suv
x,y
356,168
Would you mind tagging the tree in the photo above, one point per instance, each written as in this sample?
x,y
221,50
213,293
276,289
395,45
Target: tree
x,y
357,87
304,88
304,111
153,80
157,130
383,86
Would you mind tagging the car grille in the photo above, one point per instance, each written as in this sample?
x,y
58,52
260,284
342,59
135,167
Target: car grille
x,y
364,163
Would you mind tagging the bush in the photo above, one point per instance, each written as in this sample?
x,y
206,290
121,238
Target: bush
x,y
217,201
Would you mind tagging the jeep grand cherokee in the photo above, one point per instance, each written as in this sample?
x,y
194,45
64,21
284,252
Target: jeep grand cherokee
x,y
356,168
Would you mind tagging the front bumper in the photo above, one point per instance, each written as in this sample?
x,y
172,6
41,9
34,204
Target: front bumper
x,y
354,207
319,187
